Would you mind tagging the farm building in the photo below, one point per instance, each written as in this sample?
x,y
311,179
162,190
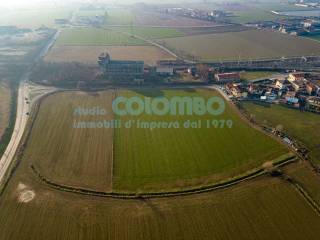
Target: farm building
x,y
117,68
227,77
165,70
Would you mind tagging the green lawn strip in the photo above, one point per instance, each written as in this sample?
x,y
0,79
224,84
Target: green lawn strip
x,y
151,32
149,160
96,37
303,126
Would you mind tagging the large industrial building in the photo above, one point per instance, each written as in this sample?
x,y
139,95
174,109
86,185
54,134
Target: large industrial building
x,y
118,68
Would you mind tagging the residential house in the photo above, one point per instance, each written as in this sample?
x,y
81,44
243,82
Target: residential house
x,y
296,77
314,104
237,91
312,89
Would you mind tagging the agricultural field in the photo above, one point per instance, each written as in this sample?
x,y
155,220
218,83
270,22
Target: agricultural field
x,y
262,209
304,174
67,154
4,107
249,16
253,44
305,126
189,31
249,76
89,54
180,158
166,20
150,32
90,13
95,37
155,160
316,37
120,17
34,18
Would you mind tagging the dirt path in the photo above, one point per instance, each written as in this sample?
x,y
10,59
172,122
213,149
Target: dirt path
x,y
153,43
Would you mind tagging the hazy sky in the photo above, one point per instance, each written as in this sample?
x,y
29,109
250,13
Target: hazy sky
x,y
22,3
26,3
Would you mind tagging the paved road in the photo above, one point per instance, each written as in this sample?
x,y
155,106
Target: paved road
x,y
22,116
217,88
21,121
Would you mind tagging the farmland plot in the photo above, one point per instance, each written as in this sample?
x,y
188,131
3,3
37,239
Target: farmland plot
x,y
302,126
89,54
163,158
4,107
253,44
67,154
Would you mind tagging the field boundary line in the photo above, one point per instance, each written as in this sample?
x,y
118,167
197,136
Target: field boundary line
x,y
23,143
250,175
245,117
114,95
303,192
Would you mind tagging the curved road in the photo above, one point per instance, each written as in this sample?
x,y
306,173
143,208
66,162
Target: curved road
x,y
22,115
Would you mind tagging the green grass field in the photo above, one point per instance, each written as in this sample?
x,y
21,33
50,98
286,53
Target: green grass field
x,y
252,16
142,160
156,159
305,127
315,37
248,76
303,173
261,209
90,13
253,44
95,37
151,32
34,18
5,97
69,155
264,208
120,17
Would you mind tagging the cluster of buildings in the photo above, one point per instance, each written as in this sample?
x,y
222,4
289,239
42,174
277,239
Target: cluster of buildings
x,y
120,69
299,90
212,15
306,3
128,71
94,21
12,30
298,26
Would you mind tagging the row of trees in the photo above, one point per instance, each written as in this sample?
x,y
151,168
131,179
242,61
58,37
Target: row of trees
x,y
63,73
